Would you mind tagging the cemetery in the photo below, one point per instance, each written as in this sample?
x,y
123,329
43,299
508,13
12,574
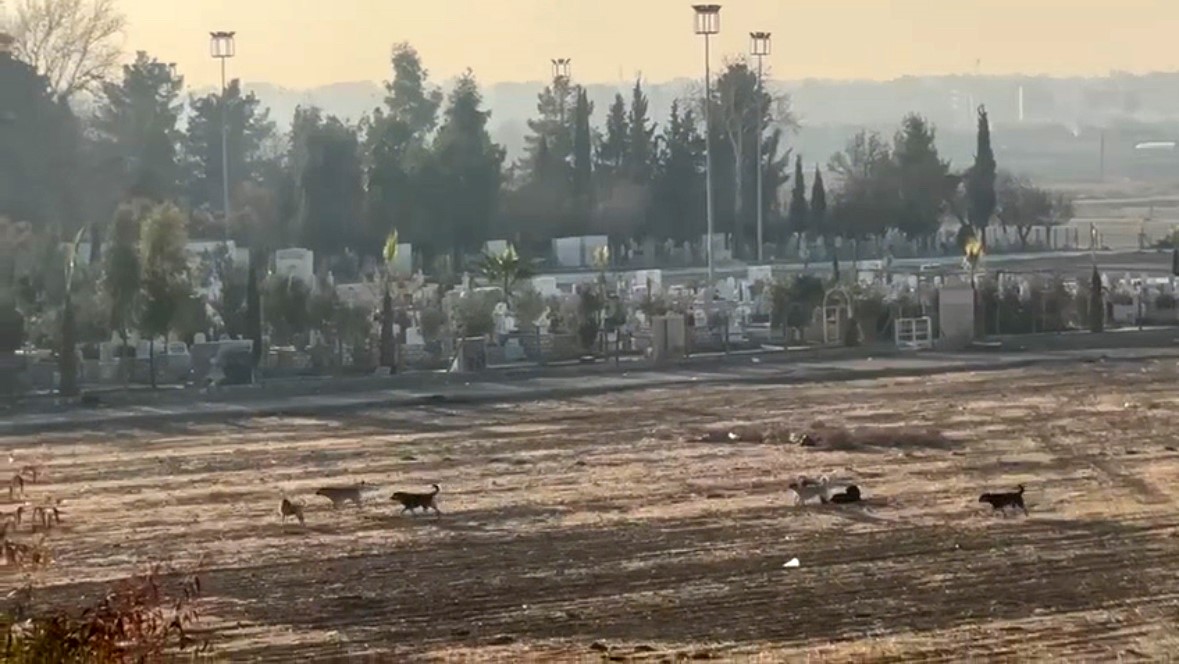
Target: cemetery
x,y
593,313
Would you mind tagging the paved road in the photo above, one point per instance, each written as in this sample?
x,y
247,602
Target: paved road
x,y
567,386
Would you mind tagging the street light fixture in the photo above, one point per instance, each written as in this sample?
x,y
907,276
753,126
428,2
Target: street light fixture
x,y
561,68
759,46
7,41
707,24
223,47
561,73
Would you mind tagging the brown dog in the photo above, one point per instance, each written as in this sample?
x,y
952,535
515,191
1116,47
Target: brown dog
x,y
287,509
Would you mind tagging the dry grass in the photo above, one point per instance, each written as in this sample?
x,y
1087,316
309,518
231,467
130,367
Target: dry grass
x,y
638,523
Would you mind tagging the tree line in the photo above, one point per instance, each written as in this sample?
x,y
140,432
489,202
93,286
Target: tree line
x,y
424,165
427,167
421,164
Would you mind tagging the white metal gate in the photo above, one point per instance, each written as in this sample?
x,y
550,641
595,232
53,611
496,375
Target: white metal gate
x,y
914,333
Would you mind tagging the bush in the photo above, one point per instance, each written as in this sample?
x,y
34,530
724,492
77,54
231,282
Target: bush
x,y
473,315
431,321
529,305
653,305
589,308
286,306
1164,301
792,302
12,326
139,619
1096,303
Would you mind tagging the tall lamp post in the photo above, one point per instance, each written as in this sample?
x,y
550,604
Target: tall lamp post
x,y
759,46
707,24
222,47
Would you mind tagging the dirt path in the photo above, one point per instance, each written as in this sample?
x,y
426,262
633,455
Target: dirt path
x,y
604,520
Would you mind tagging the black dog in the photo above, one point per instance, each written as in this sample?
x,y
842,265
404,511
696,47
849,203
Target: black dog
x,y
412,501
1001,501
849,495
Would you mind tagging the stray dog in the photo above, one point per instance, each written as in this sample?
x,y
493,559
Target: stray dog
x,y
849,495
806,488
1001,501
340,495
46,516
412,501
287,508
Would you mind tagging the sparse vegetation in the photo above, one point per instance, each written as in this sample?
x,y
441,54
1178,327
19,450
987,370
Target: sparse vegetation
x,y
145,618
621,486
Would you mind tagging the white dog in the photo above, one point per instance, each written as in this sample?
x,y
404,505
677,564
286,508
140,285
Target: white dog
x,y
806,488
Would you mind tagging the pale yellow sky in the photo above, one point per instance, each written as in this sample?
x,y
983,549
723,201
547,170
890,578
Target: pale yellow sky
x,y
300,43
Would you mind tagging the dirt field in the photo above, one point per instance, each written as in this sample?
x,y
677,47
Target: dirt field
x,y
573,526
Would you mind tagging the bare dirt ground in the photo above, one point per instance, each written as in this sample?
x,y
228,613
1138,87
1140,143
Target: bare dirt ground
x,y
574,526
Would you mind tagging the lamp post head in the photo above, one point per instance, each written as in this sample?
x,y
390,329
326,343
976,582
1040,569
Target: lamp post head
x,y
561,68
707,19
759,43
221,44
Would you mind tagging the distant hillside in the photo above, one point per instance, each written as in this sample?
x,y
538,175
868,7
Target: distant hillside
x,y
1056,138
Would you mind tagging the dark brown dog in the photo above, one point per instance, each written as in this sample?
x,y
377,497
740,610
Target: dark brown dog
x,y
412,501
849,495
1001,501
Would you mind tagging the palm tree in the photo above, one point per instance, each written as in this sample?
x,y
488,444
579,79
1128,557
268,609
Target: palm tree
x,y
505,269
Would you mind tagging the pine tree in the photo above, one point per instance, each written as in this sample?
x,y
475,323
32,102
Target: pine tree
x,y
136,120
818,220
797,219
470,170
640,150
678,210
582,159
920,175
612,151
980,181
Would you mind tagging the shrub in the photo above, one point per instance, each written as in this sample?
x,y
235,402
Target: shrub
x,y
1164,301
139,619
1121,298
473,314
431,320
792,302
529,305
1096,303
12,326
589,308
286,305
653,305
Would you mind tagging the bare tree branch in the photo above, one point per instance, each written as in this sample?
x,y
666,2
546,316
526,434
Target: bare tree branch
x,y
75,44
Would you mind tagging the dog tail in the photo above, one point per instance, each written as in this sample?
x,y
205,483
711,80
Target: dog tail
x,y
1021,489
436,489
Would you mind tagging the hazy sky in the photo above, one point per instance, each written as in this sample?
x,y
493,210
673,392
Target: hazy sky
x,y
300,43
